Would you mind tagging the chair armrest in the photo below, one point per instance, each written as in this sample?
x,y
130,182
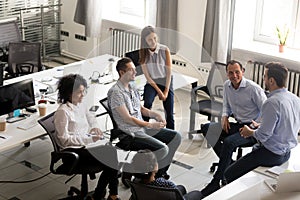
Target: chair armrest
x,y
194,92
201,88
104,113
56,156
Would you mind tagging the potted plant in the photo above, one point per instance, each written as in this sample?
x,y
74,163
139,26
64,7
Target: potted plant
x,y
282,36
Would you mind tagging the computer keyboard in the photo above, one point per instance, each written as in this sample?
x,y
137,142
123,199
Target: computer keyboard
x,y
28,123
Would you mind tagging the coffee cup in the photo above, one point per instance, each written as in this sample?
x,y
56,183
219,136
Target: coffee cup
x,y
42,109
2,124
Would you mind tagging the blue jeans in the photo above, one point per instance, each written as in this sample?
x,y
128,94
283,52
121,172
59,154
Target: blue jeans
x,y
259,156
149,95
163,143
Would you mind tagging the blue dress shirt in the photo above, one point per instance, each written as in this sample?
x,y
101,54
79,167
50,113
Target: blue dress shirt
x,y
244,103
280,122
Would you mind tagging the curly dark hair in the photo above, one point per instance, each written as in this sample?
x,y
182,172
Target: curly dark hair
x,y
67,85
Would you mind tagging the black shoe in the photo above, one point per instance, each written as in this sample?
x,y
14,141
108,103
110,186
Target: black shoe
x,y
210,188
126,176
166,176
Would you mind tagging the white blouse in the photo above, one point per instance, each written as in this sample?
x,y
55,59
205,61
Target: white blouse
x,y
73,124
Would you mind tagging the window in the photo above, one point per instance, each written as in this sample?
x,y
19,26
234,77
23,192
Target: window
x,y
277,13
133,12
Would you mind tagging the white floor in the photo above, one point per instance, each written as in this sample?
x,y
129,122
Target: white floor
x,y
26,163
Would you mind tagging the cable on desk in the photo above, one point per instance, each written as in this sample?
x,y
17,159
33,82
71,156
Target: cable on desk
x,y
28,181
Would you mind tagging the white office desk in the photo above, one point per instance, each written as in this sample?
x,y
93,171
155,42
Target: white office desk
x,y
251,186
95,93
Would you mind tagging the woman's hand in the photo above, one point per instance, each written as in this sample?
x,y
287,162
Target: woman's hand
x,y
161,95
97,134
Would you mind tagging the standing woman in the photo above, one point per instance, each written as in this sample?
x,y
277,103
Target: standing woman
x,y
155,60
76,127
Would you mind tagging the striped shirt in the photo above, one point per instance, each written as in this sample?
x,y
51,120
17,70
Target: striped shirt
x,y
119,96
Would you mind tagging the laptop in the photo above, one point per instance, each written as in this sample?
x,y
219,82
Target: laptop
x,y
286,182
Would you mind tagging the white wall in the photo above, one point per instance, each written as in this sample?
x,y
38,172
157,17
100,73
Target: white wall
x,y
191,15
71,46
190,26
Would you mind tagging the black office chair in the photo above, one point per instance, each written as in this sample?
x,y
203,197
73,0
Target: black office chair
x,y
24,58
148,192
134,56
117,135
58,166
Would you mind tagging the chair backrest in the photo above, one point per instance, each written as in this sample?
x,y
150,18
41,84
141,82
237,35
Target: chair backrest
x,y
104,103
47,123
148,192
115,132
9,32
215,81
134,56
24,58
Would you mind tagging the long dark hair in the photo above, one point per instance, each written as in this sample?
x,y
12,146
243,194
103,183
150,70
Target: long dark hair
x,y
67,85
144,53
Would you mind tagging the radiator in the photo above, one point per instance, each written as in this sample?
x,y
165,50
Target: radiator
x,y
293,81
123,41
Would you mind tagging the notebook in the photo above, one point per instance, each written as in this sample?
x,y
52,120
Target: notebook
x,y
286,182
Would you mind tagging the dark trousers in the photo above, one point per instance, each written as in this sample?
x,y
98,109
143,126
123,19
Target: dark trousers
x,y
225,144
192,195
163,143
106,158
259,156
149,95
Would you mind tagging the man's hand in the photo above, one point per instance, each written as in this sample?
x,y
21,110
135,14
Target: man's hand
x,y
225,124
246,131
156,125
159,118
254,124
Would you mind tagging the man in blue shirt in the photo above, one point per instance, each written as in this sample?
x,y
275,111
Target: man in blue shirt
x,y
243,99
278,131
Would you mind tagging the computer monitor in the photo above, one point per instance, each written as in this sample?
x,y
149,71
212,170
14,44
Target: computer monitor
x,y
16,96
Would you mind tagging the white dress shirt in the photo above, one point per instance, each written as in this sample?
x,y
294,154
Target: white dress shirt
x,y
73,124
